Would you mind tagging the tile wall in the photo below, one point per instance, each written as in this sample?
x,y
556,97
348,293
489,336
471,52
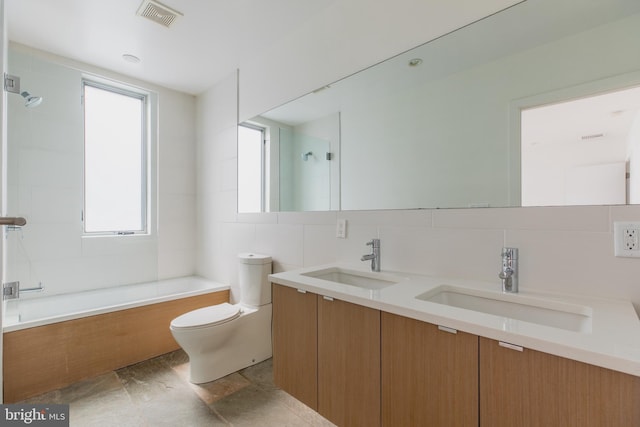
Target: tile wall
x,y
45,185
562,249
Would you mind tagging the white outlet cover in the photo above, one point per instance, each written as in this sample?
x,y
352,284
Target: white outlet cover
x,y
626,239
341,228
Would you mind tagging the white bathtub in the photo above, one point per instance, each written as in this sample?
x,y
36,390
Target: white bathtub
x,y
27,313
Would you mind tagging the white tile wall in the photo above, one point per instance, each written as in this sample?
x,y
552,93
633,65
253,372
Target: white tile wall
x,y
562,249
45,185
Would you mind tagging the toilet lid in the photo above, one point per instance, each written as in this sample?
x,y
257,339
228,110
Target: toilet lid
x,y
208,316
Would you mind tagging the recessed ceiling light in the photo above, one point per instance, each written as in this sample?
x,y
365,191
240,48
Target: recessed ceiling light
x,y
130,58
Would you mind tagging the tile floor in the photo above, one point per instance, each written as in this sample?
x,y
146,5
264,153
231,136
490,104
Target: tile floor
x,y
157,393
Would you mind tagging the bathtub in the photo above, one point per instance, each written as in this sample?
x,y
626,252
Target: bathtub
x,y
54,341
27,313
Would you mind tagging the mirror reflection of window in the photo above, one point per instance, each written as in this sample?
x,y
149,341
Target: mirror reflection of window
x,y
251,169
582,152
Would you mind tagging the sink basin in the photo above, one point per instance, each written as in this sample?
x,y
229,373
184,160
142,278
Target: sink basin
x,y
360,279
552,313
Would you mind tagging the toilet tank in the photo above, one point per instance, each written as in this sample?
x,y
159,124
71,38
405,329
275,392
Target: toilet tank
x,y
253,272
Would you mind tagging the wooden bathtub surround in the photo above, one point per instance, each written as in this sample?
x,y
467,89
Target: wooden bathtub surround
x,y
45,358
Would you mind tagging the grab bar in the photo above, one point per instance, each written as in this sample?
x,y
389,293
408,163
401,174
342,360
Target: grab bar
x,y
13,220
11,290
39,288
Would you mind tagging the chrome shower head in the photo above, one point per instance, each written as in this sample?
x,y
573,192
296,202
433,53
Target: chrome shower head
x,y
30,100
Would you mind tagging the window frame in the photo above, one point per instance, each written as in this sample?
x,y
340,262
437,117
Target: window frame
x,y
263,166
145,202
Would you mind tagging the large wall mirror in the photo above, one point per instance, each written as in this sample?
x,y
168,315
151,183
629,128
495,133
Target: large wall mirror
x,y
537,105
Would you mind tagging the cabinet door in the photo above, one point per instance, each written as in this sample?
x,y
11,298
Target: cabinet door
x,y
530,388
348,363
429,376
295,343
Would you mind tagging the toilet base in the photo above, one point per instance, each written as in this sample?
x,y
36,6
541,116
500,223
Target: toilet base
x,y
249,344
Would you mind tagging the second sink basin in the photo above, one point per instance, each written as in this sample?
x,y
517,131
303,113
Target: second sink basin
x,y
360,279
552,313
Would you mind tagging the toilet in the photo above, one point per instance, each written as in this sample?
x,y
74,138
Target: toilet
x,y
225,338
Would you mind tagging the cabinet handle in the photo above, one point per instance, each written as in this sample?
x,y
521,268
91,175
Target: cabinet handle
x,y
446,329
302,291
510,346
327,298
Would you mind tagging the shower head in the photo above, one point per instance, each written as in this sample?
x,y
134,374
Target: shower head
x,y
31,101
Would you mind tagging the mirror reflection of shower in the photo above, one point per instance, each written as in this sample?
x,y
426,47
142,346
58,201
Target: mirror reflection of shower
x,y
30,100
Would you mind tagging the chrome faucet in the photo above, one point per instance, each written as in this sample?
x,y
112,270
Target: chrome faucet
x,y
509,273
375,256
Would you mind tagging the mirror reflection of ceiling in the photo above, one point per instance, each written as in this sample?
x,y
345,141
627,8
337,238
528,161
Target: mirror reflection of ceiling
x,y
516,29
441,134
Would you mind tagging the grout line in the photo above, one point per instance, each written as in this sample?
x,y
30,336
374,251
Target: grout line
x,y
219,415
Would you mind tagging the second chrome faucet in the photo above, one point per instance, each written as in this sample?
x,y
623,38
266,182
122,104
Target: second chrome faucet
x,y
374,256
509,272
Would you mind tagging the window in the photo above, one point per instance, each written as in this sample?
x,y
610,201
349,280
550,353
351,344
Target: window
x,y
115,160
251,169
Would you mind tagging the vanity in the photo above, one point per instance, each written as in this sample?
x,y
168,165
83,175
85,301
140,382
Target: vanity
x,y
393,349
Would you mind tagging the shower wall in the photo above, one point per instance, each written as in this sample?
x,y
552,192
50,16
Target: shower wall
x,y
312,184
45,185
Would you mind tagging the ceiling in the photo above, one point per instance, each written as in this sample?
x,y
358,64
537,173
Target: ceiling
x,y
206,44
514,30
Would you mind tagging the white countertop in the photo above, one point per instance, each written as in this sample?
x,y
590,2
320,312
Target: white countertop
x,y
613,341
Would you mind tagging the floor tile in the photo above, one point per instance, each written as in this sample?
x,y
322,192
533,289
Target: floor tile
x,y
253,406
215,390
157,393
163,398
310,416
261,374
80,390
108,408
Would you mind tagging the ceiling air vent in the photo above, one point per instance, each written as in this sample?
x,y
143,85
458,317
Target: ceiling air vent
x,y
157,12
592,136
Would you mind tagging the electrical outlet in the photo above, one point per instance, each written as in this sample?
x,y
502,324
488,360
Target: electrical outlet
x,y
630,236
626,237
341,228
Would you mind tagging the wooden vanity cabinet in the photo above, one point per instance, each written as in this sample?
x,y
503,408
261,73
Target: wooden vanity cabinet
x,y
531,388
348,363
326,353
358,366
429,375
295,343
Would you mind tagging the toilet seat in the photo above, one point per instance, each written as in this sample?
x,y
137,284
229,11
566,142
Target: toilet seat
x,y
207,316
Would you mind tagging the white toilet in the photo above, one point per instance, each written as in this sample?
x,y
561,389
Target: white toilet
x,y
225,338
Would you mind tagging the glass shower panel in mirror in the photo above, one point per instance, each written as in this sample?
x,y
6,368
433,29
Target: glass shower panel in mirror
x,y
297,168
305,172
